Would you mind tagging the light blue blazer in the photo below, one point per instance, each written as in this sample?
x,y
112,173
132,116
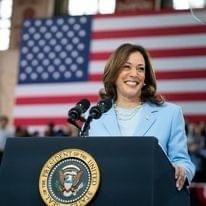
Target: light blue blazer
x,y
165,122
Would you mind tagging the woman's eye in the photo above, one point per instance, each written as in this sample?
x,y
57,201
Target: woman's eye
x,y
141,69
126,67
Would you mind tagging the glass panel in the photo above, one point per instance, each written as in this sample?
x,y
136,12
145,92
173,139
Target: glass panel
x,y
4,33
107,6
186,4
5,8
79,7
5,23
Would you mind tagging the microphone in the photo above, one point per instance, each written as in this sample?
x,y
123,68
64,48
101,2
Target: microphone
x,y
95,113
80,108
102,107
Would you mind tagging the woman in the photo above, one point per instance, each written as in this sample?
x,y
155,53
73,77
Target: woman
x,y
139,111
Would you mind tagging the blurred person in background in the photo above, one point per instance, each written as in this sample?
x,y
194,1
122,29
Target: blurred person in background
x,y
50,130
202,125
5,132
195,146
70,130
21,132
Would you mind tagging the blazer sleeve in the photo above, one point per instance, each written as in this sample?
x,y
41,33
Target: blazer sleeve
x,y
177,145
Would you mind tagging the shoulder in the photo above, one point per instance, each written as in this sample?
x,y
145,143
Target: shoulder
x,y
172,106
166,107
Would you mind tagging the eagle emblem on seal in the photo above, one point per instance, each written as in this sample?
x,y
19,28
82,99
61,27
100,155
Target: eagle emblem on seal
x,y
69,180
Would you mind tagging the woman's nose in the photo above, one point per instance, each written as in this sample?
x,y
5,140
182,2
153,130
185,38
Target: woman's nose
x,y
133,72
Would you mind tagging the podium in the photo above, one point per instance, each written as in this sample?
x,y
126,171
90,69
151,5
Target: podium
x,y
133,171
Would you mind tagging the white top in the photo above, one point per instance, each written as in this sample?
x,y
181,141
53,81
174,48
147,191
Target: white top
x,y
127,119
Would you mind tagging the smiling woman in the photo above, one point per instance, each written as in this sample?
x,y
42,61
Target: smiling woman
x,y
138,110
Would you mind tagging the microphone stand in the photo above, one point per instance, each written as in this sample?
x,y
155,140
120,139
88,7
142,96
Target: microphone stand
x,y
84,131
95,113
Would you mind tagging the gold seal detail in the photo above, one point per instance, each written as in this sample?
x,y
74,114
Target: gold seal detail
x,y
70,177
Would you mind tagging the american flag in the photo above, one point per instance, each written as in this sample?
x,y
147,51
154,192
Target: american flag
x,y
62,61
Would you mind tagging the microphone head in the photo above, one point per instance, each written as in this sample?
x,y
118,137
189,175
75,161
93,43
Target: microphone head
x,y
105,105
95,112
84,104
80,108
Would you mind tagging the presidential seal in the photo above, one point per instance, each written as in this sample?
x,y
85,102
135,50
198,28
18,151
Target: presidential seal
x,y
70,177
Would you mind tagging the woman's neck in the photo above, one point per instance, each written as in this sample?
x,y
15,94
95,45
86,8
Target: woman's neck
x,y
127,103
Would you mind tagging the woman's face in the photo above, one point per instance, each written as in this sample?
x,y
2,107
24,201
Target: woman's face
x,y
131,77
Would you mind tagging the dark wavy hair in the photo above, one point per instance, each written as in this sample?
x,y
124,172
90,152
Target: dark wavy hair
x,y
116,62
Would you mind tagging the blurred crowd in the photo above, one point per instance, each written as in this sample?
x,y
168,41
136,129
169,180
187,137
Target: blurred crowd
x,y
51,130
196,133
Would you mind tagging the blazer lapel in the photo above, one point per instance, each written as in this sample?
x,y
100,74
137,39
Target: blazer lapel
x,y
110,123
146,119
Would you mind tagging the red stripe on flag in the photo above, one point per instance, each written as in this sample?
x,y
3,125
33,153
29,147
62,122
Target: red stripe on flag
x,y
188,74
175,30
39,121
195,51
155,53
195,118
95,77
54,99
185,96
